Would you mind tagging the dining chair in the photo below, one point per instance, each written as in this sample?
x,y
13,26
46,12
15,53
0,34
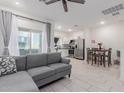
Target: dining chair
x,y
89,55
108,56
103,57
94,55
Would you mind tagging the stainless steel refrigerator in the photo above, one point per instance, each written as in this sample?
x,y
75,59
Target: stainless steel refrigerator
x,y
79,51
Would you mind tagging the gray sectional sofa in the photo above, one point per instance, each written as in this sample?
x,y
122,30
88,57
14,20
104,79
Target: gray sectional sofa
x,y
35,71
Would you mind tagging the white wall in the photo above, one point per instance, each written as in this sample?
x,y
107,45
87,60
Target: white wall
x,y
112,36
29,24
64,37
75,35
122,65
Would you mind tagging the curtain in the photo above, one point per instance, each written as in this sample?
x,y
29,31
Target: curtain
x,y
48,32
44,40
13,44
5,28
1,43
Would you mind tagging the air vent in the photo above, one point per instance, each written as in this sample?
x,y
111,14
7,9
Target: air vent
x,y
113,10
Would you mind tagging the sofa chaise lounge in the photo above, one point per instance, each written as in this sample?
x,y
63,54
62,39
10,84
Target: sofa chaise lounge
x,y
35,71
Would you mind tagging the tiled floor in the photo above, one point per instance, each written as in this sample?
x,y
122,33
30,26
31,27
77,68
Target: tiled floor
x,y
85,77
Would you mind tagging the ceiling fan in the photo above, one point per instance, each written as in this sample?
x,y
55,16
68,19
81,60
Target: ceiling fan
x,y
64,2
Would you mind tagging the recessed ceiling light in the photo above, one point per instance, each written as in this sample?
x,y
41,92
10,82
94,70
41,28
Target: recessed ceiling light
x,y
59,27
70,30
17,3
102,22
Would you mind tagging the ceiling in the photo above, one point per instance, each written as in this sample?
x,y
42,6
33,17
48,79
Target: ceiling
x,y
87,15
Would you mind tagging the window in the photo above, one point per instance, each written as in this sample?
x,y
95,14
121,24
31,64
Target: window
x,y
29,41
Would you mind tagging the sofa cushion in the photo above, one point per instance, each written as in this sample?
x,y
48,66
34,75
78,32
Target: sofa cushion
x,y
21,63
7,66
60,67
65,60
41,72
36,60
18,82
54,58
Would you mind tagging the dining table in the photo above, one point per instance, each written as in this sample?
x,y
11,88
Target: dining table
x,y
99,56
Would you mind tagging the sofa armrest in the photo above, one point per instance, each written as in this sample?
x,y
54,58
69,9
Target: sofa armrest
x,y
66,61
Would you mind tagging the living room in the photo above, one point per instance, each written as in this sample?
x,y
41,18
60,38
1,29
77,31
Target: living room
x,y
61,46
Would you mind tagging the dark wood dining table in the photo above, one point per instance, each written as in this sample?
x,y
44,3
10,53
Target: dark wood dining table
x,y
99,56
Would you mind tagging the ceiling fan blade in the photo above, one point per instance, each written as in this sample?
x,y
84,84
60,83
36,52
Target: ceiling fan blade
x,y
50,1
65,5
78,1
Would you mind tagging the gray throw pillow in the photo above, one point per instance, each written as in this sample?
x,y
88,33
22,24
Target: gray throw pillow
x,y
7,66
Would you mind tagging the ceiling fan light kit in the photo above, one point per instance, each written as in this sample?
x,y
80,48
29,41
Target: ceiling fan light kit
x,y
64,2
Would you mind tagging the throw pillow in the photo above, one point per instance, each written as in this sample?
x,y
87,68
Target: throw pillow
x,y
7,66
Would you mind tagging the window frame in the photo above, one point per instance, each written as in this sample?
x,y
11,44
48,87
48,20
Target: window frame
x,y
30,31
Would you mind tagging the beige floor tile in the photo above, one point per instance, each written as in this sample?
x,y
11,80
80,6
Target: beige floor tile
x,y
95,89
85,77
